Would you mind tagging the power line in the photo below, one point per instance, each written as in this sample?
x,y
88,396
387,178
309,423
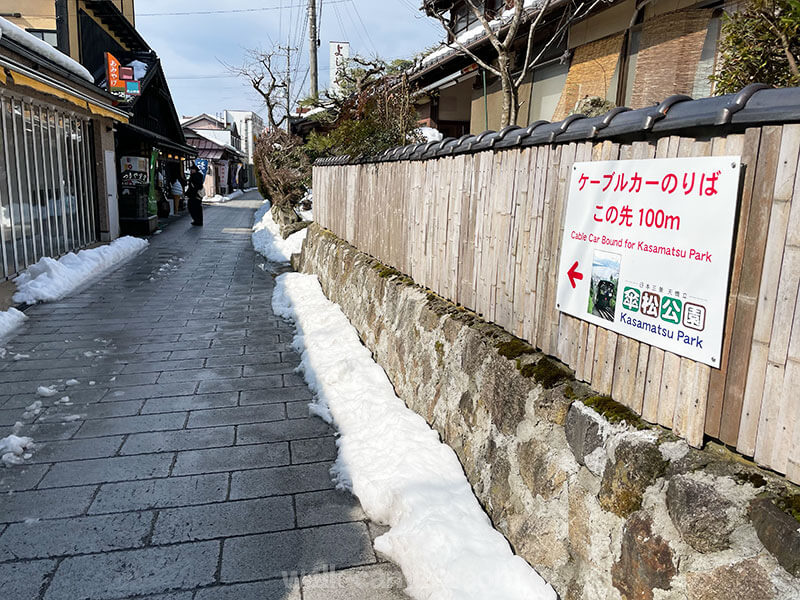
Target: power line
x,y
224,12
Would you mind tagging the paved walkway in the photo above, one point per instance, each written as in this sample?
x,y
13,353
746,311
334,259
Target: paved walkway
x,y
184,464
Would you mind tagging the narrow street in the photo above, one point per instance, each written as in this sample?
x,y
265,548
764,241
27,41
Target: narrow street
x,y
183,464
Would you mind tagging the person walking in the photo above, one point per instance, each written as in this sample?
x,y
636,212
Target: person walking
x,y
176,189
193,195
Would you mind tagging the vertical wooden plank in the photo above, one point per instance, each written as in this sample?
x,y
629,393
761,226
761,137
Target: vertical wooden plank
x,y
652,388
746,146
750,280
668,395
762,329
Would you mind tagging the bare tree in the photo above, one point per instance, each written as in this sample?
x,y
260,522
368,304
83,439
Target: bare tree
x,y
268,80
502,33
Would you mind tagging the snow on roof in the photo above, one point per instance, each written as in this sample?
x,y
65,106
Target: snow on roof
x,y
475,32
218,136
43,49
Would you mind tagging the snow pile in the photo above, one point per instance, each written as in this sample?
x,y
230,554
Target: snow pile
x,y
267,238
222,199
430,134
394,462
13,449
43,49
49,279
10,320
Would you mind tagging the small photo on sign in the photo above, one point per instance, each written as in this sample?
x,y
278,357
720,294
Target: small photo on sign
x,y
603,286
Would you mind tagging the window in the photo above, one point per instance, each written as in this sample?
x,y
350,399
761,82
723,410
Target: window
x,y
548,82
46,35
463,18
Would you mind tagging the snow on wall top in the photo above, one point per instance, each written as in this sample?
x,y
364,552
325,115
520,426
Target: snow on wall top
x,y
43,49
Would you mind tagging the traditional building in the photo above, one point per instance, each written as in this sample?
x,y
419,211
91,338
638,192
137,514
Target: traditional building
x,y
58,176
218,142
626,52
101,35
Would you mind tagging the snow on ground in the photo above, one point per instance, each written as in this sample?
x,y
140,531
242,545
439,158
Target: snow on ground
x,y
13,449
49,279
222,199
42,48
430,134
267,238
395,464
10,320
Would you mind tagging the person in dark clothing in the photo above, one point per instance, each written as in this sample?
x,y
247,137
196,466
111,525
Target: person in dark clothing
x,y
193,195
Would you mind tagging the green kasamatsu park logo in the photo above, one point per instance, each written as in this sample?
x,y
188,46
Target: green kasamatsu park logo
x,y
666,308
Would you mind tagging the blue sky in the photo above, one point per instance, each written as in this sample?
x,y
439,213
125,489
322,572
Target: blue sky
x,y
193,47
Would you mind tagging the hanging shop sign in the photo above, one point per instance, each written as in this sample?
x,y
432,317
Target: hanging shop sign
x,y
202,165
112,73
340,54
134,171
646,250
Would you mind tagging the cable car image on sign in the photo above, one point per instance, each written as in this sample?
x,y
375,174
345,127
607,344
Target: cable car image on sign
x,y
646,250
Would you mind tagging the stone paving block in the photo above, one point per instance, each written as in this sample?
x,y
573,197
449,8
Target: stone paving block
x,y
297,410
237,350
327,507
373,582
21,477
233,416
200,374
182,439
231,459
292,379
45,504
224,519
195,402
164,365
273,555
80,535
137,424
275,589
103,470
159,390
160,493
76,449
104,410
232,385
50,432
173,346
23,580
257,483
295,429
313,450
277,368
132,379
135,572
280,394
244,359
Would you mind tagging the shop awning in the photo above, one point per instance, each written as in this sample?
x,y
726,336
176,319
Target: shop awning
x,y
159,141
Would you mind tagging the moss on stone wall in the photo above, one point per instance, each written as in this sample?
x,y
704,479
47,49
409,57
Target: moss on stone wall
x,y
615,412
514,348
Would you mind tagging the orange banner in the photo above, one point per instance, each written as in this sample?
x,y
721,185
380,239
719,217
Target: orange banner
x,y
112,71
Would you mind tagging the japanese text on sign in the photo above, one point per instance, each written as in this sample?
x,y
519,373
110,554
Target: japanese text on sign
x,y
638,256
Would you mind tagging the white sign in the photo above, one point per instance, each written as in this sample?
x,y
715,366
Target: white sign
x,y
647,248
340,53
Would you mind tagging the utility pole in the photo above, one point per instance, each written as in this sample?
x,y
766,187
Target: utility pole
x,y
313,42
288,49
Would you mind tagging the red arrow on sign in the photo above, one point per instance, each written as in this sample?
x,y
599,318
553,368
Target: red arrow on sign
x,y
574,274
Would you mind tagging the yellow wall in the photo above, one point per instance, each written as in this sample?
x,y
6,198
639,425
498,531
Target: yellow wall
x,y
30,10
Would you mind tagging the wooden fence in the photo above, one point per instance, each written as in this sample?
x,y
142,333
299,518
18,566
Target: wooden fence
x,y
484,230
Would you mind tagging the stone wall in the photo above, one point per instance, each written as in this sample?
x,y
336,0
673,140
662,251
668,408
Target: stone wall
x,y
604,506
